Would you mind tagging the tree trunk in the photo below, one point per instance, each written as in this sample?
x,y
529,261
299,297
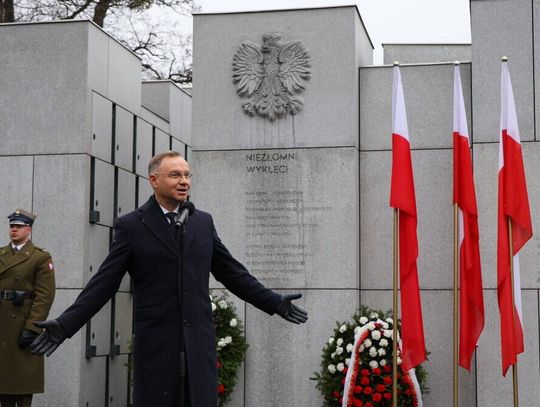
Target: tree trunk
x,y
100,12
7,11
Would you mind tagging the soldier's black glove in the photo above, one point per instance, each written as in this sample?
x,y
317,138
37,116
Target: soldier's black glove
x,y
26,338
53,335
290,312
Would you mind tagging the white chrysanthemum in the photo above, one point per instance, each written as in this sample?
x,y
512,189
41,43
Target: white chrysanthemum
x,y
383,362
222,304
373,315
371,325
373,364
356,330
372,352
340,367
213,307
339,350
399,360
331,340
233,322
383,342
227,340
333,355
349,347
385,325
367,342
388,333
211,298
347,361
381,352
361,348
221,343
332,369
342,328
339,342
363,320
376,335
389,320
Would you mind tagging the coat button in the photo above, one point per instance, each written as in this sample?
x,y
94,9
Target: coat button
x,y
13,316
186,322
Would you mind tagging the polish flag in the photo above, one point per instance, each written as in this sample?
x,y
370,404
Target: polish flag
x,y
471,299
513,205
403,199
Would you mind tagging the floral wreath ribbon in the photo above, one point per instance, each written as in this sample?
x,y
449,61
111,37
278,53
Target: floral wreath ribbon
x,y
354,366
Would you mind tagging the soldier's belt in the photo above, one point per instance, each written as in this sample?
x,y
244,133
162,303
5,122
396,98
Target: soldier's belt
x,y
16,296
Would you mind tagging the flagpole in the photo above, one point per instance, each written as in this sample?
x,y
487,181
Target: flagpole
x,y
395,310
514,366
456,303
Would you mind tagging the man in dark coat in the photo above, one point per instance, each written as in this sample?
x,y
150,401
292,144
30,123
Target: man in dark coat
x,y
145,245
27,288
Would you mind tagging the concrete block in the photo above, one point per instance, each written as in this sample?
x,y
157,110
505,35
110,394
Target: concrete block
x,y
44,97
98,59
95,382
124,77
180,117
144,147
156,97
433,186
502,28
282,218
104,192
177,145
162,141
125,196
277,376
59,228
98,248
154,119
100,331
118,381
218,118
101,127
123,317
429,112
16,184
144,191
426,53
123,155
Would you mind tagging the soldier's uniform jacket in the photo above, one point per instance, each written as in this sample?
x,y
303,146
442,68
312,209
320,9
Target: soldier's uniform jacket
x,y
29,269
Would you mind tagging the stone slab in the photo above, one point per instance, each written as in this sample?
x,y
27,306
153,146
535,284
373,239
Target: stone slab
x,y
97,249
94,384
429,112
123,154
102,122
426,53
285,214
100,331
59,228
125,195
16,183
143,146
123,325
144,191
156,97
124,77
153,118
118,381
104,192
502,28
486,179
98,59
180,120
162,141
493,388
433,187
177,145
330,106
282,356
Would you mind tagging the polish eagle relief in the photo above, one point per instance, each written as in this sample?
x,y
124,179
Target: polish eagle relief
x,y
271,76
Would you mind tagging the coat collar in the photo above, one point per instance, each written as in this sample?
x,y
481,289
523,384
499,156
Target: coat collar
x,y
9,260
153,218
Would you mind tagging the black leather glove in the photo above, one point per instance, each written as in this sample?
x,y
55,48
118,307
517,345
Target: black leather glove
x,y
53,335
290,312
26,338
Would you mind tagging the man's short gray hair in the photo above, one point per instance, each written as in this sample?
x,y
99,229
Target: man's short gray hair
x,y
155,161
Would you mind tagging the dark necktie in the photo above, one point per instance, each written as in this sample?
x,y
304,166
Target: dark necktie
x,y
172,223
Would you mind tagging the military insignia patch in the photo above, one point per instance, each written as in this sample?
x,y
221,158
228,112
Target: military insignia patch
x,y
51,267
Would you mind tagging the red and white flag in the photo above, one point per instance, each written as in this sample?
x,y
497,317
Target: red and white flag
x,y
513,206
471,299
402,198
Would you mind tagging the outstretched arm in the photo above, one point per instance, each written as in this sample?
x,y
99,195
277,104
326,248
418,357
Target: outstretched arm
x,y
290,312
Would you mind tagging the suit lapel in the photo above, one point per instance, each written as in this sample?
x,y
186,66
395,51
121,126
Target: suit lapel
x,y
9,260
152,217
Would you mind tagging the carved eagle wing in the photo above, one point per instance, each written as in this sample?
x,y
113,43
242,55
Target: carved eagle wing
x,y
247,68
294,67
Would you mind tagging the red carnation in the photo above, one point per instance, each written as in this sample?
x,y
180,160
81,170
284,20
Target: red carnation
x,y
380,388
368,404
368,390
377,397
220,388
218,364
387,368
364,381
408,392
358,389
388,396
343,381
387,380
377,371
364,372
336,395
357,403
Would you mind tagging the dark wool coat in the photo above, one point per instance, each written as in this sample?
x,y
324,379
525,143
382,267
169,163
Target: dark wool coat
x,y
144,246
29,269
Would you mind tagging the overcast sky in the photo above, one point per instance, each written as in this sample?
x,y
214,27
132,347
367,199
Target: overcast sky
x,y
387,21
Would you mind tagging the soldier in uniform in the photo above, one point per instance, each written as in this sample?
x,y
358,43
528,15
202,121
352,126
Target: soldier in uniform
x,y
27,288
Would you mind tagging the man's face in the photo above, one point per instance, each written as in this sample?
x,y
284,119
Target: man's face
x,y
19,234
171,182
